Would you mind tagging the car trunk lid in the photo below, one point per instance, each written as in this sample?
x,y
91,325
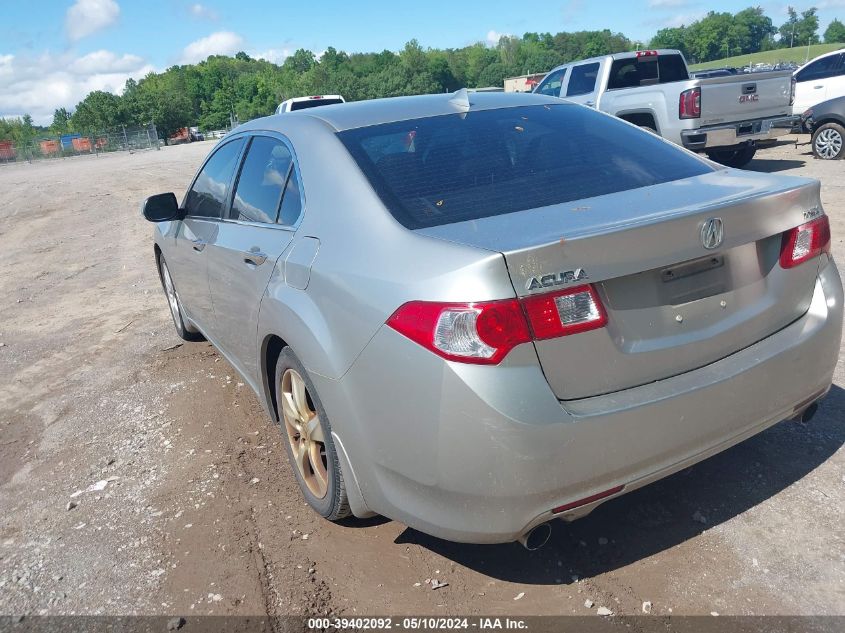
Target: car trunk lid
x,y
672,304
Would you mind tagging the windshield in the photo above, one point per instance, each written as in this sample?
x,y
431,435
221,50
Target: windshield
x,y
460,167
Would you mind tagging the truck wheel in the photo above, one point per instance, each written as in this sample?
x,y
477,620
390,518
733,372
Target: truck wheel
x,y
739,157
829,141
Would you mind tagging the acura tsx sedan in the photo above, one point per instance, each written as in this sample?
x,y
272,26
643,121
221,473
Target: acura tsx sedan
x,y
474,313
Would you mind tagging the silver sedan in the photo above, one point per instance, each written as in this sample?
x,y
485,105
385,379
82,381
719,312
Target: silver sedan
x,y
475,313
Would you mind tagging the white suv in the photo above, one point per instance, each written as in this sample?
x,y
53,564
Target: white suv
x,y
819,80
300,103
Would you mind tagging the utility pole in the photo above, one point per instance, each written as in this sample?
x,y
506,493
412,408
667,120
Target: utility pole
x,y
792,39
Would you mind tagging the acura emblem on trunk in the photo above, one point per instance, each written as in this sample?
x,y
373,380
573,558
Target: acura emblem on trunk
x,y
712,233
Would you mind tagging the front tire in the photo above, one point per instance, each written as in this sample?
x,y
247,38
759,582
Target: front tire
x,y
184,331
829,142
308,439
736,158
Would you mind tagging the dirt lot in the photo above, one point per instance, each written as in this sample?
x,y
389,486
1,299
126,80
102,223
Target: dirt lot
x,y
138,476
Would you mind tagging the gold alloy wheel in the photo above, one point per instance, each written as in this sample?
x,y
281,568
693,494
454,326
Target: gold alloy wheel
x,y
305,434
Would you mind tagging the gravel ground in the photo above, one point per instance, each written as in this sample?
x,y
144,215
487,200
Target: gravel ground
x,y
140,476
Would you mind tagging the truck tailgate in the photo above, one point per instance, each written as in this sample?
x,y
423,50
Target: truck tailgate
x,y
745,97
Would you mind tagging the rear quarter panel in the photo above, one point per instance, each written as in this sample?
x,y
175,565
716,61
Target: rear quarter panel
x,y
367,264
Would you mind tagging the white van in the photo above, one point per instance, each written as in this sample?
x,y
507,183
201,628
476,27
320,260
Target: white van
x,y
300,103
818,80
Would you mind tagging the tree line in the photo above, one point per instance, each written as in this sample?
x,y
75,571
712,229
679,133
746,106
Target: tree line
x,y
720,35
207,94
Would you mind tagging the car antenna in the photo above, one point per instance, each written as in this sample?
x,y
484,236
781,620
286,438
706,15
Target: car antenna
x,y
461,100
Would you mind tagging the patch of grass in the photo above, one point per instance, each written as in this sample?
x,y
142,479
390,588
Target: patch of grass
x,y
797,54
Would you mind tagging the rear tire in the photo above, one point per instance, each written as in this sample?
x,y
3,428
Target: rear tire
x,y
185,331
736,158
307,436
829,142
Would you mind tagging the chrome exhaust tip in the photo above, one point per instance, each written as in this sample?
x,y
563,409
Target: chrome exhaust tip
x,y
536,537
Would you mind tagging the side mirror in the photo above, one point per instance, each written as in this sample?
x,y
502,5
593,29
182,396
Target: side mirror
x,y
161,208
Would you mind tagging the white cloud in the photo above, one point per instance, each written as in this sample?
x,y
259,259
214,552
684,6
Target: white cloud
x,y
274,55
493,37
39,85
86,17
202,12
684,19
220,43
105,62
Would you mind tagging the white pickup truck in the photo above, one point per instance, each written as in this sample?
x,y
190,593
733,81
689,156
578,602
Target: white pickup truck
x,y
722,116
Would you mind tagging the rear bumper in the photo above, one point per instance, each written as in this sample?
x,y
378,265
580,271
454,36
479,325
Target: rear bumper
x,y
731,134
482,454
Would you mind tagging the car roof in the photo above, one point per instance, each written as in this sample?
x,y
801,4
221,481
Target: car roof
x,y
356,114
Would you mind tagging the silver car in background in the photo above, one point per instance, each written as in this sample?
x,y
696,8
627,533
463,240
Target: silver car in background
x,y
476,313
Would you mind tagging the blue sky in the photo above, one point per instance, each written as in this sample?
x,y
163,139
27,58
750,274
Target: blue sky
x,y
52,52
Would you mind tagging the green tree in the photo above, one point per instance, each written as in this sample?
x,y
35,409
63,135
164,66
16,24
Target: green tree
x,y
97,112
834,33
807,28
61,122
788,29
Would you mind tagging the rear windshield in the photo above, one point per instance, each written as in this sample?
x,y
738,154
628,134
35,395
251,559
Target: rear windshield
x,y
312,103
459,167
630,72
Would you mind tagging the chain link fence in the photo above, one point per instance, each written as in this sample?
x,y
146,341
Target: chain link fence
x,y
133,138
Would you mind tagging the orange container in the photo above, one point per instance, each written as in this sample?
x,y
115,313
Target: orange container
x,y
49,147
82,144
7,150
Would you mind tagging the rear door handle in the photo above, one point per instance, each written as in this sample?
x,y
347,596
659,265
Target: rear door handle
x,y
199,245
818,87
255,258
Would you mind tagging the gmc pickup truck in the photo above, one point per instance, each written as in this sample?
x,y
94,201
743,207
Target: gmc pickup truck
x,y
725,117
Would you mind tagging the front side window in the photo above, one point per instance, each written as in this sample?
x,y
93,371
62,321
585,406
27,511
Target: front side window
x,y
207,196
821,69
551,84
582,79
473,165
262,180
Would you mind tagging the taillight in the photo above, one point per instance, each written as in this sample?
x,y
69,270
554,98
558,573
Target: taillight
x,y
565,312
482,332
689,104
805,242
485,332
792,91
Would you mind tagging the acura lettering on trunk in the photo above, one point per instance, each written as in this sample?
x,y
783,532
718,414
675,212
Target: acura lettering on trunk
x,y
404,284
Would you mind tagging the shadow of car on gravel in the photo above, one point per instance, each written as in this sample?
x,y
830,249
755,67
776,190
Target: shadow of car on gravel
x,y
660,516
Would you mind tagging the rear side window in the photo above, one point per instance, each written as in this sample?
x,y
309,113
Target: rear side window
x,y
631,72
292,201
261,181
551,84
207,196
582,79
823,68
459,167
